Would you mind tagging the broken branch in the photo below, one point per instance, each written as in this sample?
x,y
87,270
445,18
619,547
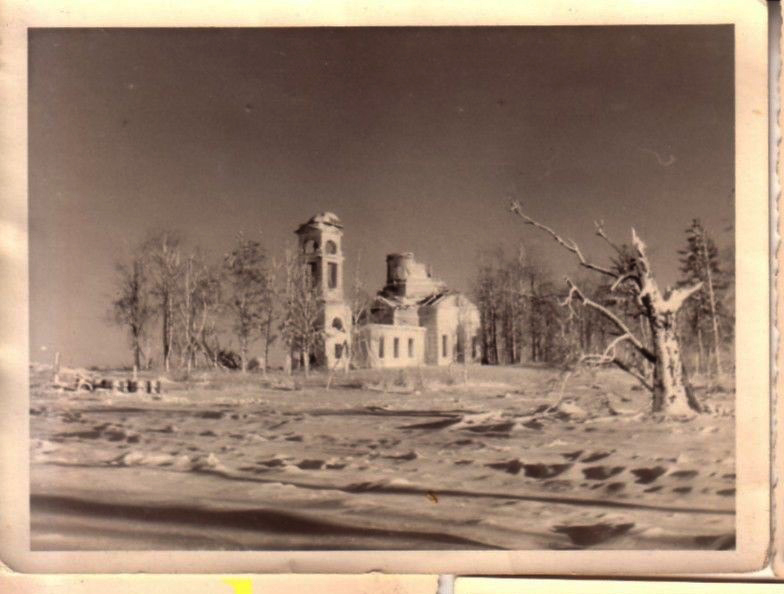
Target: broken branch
x,y
640,247
622,279
634,373
609,357
601,233
574,291
677,297
570,245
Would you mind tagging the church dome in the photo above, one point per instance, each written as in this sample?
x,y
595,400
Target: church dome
x,y
320,220
327,218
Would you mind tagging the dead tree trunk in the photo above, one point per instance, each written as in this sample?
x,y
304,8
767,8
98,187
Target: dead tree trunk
x,y
670,389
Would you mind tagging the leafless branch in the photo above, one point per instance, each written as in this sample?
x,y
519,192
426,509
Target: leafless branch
x,y
609,353
601,233
609,357
574,291
570,244
610,350
629,276
634,373
640,247
677,297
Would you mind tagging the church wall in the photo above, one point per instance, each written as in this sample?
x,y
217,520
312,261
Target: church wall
x,y
428,318
406,316
337,335
371,354
443,320
447,331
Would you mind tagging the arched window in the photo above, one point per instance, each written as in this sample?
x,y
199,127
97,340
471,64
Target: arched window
x,y
310,246
337,324
331,247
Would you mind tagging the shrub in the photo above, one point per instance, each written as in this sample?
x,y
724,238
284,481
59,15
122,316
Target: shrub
x,y
256,364
229,359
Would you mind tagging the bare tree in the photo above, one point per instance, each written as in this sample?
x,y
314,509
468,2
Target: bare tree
x,y
132,306
671,392
519,312
186,313
301,326
208,307
164,262
361,303
489,296
198,301
270,308
248,292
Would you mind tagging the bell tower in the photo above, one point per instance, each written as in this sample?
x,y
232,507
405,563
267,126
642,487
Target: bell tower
x,y
320,243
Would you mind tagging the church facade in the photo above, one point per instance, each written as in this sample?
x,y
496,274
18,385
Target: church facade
x,y
414,320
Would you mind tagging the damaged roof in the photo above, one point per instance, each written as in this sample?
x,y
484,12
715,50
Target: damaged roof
x,y
402,302
322,218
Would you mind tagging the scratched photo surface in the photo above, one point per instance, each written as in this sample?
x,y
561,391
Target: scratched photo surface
x,y
382,288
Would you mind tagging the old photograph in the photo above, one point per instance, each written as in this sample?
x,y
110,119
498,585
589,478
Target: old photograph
x,y
382,288
469,295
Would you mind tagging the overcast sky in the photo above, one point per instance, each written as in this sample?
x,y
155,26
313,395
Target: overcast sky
x,y
416,137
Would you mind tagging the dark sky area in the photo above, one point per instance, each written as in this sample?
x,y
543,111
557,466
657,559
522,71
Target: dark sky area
x,y
416,137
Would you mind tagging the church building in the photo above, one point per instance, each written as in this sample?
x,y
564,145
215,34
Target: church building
x,y
414,319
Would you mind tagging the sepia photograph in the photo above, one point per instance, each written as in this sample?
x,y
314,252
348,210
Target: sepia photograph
x,y
387,288
292,288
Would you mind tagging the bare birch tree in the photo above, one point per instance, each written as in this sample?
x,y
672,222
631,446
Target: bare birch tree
x,y
669,386
301,326
270,308
518,305
208,308
361,303
198,302
164,261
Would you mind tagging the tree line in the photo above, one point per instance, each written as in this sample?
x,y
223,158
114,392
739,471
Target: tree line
x,y
524,320
179,307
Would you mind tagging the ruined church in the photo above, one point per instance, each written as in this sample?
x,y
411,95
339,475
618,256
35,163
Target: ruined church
x,y
413,320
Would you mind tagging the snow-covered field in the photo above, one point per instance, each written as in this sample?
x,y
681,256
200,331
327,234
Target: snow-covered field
x,y
422,460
